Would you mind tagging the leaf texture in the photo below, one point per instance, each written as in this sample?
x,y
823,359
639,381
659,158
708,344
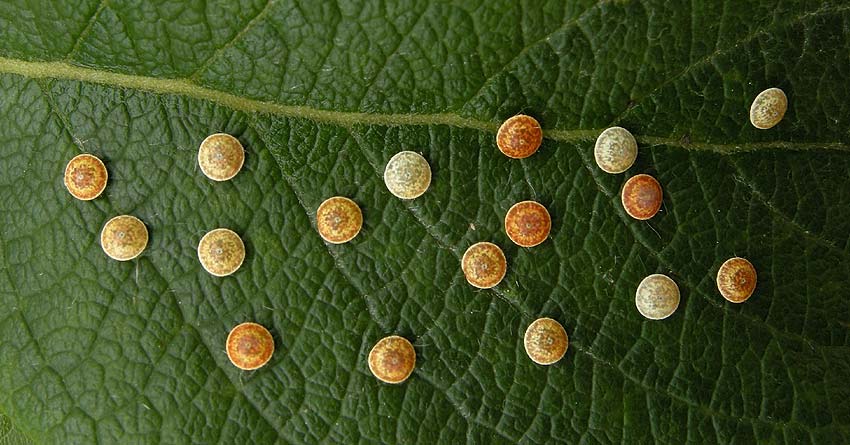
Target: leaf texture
x,y
321,94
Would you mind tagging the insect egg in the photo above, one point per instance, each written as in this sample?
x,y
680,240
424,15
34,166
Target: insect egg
x,y
221,252
484,265
657,297
736,280
338,220
249,346
221,156
392,359
615,150
768,108
519,137
407,175
124,237
545,341
85,177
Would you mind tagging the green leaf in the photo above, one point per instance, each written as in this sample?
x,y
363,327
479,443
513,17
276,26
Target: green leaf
x,y
321,94
9,435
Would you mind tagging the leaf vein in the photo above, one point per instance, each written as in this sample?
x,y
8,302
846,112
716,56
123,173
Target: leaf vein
x,y
75,48
346,119
250,25
720,51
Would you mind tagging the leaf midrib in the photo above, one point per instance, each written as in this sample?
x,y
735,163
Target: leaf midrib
x,y
349,119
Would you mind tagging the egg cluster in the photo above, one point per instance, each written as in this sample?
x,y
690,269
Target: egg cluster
x,y
407,176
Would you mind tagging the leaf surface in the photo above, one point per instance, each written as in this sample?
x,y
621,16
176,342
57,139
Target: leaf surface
x,y
321,94
9,435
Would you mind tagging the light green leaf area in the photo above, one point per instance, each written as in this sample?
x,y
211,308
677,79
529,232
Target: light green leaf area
x,y
321,94
9,435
